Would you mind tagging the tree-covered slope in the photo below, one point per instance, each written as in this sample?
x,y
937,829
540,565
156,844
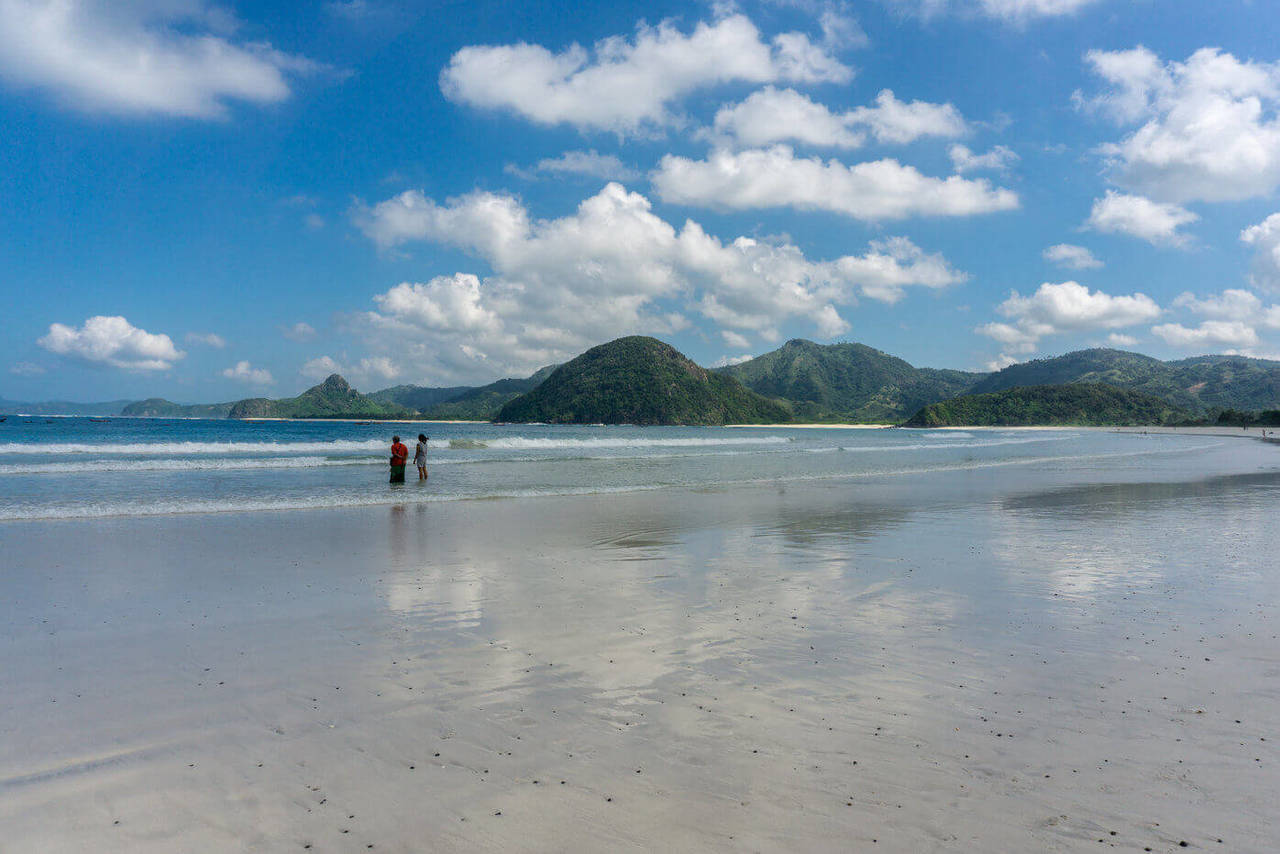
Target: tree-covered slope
x,y
158,407
1198,384
333,398
640,380
847,382
417,397
1073,404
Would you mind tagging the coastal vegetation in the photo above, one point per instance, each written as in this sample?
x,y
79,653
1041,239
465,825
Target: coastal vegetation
x,y
641,380
462,403
1068,405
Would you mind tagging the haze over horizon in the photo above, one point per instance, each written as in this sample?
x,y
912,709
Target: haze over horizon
x,y
211,201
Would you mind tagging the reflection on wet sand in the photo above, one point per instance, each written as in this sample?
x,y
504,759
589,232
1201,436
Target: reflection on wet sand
x,y
983,660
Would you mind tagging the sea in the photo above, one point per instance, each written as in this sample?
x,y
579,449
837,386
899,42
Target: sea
x,y
73,467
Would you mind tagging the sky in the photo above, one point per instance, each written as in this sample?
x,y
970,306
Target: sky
x,y
206,201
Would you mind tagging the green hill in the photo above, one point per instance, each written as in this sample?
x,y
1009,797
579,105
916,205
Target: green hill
x,y
61,407
158,407
1074,404
1198,384
333,398
417,397
640,380
461,403
847,382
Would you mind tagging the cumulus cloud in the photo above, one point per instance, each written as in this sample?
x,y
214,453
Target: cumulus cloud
x,y
589,163
612,267
776,115
998,159
1231,333
361,372
1072,257
299,331
1065,307
1265,238
166,57
320,367
112,341
628,85
208,339
1208,127
1155,222
244,372
1119,339
726,361
775,177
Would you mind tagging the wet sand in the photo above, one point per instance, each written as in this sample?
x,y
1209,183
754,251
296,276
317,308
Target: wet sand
x,y
1016,659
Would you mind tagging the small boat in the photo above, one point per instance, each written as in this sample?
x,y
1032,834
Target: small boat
x,y
100,420
3,418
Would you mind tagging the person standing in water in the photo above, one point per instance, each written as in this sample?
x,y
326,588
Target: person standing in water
x,y
399,456
420,457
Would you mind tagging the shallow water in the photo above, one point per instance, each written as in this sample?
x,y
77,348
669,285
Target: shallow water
x,y
74,467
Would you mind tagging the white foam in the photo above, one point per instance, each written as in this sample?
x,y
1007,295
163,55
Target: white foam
x,y
143,449
528,444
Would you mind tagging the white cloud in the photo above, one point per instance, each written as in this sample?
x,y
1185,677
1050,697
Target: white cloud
x,y
243,372
27,369
1070,256
208,339
1231,333
112,341
1208,126
361,373
168,57
998,159
733,339
726,361
299,331
775,177
1011,11
1231,304
320,368
313,221
999,363
1065,307
1119,339
1155,222
589,163
773,115
612,267
1265,238
626,85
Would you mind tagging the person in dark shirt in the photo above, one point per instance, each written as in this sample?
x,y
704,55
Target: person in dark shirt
x,y
399,457
420,456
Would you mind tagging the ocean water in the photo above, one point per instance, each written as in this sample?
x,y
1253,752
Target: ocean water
x,y
53,468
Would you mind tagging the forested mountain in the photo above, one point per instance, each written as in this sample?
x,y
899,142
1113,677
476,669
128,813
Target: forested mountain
x,y
640,380
1198,384
333,398
847,382
1072,404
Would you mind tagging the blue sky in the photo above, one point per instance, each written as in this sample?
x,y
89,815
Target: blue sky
x,y
208,201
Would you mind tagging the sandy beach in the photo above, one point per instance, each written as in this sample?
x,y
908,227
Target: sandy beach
x,y
968,660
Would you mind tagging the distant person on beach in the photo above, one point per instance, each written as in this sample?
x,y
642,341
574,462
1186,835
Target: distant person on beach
x,y
399,456
420,457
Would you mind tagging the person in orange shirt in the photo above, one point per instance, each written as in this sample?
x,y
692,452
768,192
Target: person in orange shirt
x,y
399,457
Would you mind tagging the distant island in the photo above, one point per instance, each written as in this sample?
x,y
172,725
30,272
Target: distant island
x,y
643,380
